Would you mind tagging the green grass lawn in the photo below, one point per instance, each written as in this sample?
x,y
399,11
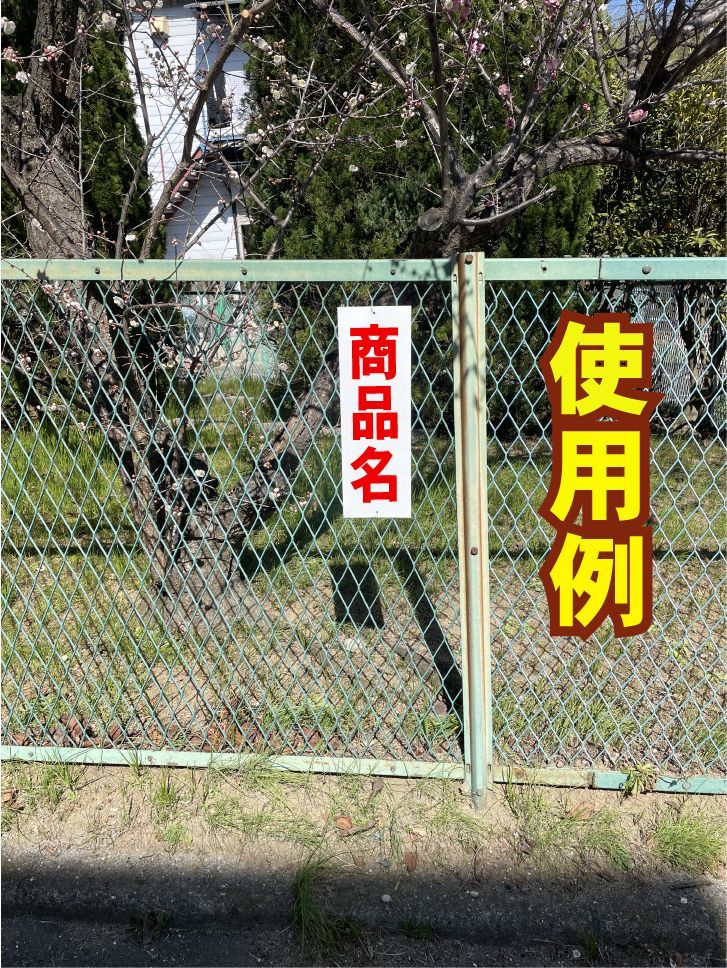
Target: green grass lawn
x,y
345,605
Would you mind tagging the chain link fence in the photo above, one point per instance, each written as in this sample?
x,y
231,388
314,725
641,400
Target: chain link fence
x,y
177,571
608,703
177,575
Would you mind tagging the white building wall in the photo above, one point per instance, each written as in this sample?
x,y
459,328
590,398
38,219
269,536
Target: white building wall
x,y
202,208
170,71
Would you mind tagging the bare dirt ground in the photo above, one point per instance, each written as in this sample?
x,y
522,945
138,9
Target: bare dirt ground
x,y
122,866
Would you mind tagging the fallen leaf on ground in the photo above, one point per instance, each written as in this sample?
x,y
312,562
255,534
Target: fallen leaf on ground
x,y
10,800
353,831
600,870
410,861
581,811
526,845
359,860
343,823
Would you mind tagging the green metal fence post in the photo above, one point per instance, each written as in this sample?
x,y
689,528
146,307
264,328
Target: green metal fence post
x,y
468,312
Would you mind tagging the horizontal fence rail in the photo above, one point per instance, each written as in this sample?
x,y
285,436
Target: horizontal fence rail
x,y
178,581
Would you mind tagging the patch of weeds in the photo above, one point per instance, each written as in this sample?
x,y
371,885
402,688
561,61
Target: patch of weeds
x,y
639,779
449,821
591,948
127,813
150,927
227,814
543,830
255,774
417,931
136,767
8,820
316,713
165,798
13,801
175,834
56,781
321,933
688,840
537,829
258,774
357,796
602,834
396,845
439,729
95,826
353,786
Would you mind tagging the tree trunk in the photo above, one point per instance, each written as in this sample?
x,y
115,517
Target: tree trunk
x,y
200,535
705,341
192,536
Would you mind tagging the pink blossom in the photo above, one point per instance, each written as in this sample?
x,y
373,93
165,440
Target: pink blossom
x,y
50,53
463,7
510,123
474,45
10,55
504,91
551,67
585,106
551,4
639,114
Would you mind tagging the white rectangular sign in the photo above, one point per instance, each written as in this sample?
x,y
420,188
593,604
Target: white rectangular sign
x,y
374,345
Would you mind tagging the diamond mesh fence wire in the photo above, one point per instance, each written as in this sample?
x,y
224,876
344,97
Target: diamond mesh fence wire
x,y
609,703
177,573
178,576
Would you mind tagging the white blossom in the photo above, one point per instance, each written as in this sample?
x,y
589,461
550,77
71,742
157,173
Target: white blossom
x,y
353,168
8,26
107,20
22,76
411,68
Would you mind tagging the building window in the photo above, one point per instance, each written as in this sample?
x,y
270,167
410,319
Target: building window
x,y
214,29
219,108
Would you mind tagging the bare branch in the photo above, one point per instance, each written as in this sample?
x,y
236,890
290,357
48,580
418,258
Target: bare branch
x,y
509,212
248,18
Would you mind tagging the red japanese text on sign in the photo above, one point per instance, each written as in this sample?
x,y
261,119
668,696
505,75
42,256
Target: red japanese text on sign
x,y
375,366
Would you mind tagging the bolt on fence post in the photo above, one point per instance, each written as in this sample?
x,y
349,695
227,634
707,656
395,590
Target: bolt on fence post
x,y
470,408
